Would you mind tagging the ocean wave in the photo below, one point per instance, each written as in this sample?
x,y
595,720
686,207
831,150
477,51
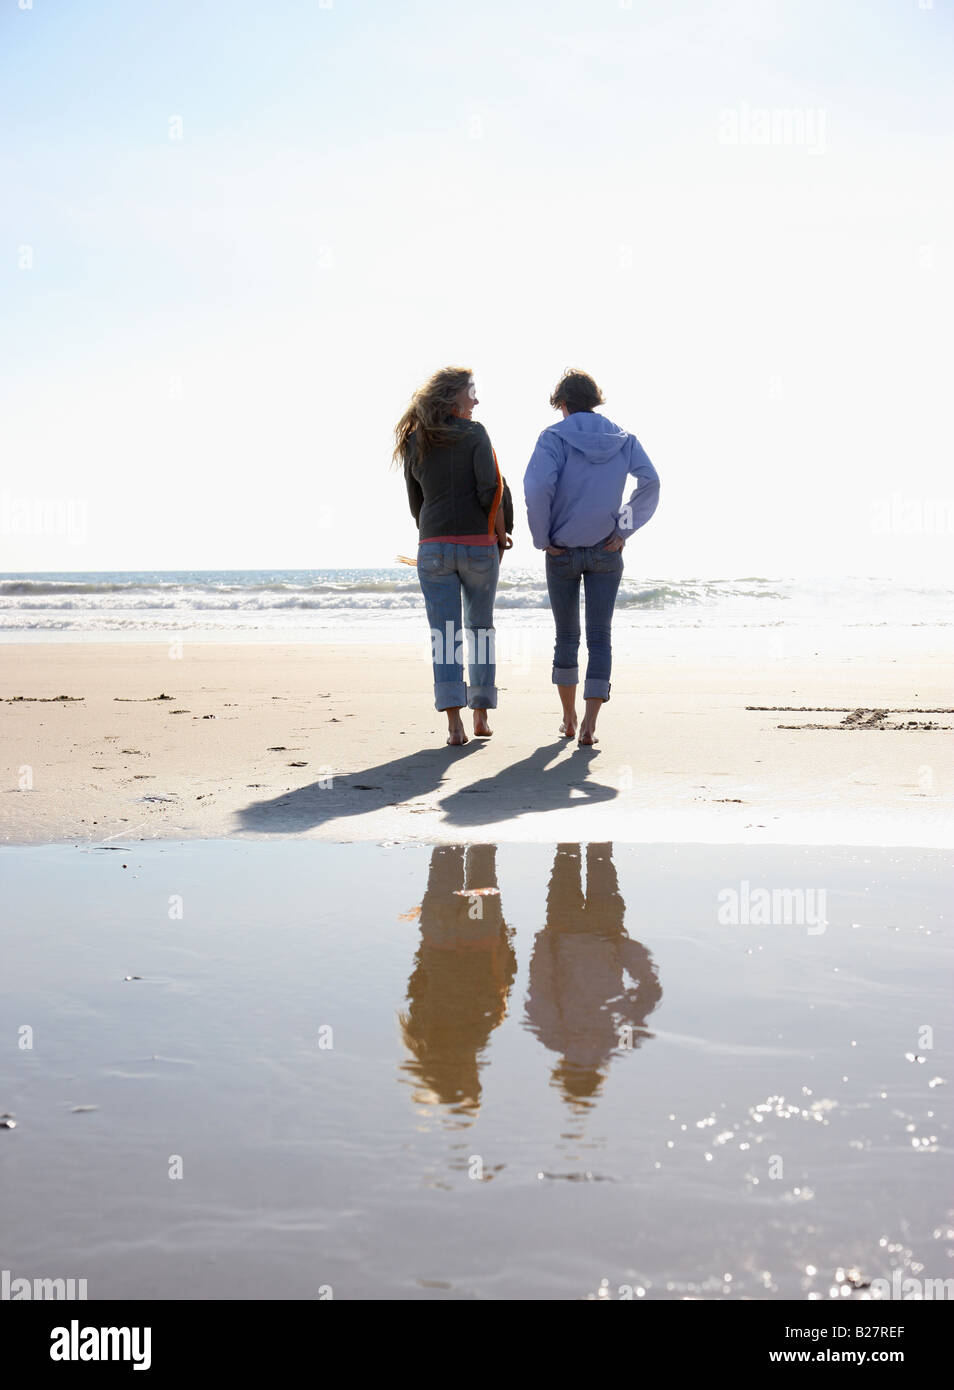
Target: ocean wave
x,y
203,603
383,598
21,587
26,588
259,600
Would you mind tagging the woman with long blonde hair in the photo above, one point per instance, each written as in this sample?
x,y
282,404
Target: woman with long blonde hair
x,y
455,491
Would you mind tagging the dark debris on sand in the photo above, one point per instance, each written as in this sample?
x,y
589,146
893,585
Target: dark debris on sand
x,y
43,699
856,718
145,700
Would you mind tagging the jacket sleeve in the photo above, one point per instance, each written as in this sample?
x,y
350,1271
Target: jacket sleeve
x,y
539,486
415,493
485,468
644,499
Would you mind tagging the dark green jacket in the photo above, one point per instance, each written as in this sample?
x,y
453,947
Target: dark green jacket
x,y
452,489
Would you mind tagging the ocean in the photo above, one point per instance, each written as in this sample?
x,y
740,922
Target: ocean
x,y
386,604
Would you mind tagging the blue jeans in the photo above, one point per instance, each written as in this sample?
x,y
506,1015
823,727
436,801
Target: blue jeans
x,y
601,571
448,574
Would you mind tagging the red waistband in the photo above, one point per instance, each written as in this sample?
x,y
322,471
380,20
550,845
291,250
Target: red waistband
x,y
457,540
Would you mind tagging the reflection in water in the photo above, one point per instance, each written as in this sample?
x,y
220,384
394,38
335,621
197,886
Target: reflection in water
x,y
463,970
578,1004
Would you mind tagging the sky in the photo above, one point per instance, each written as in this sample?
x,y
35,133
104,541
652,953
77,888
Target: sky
x,y
238,235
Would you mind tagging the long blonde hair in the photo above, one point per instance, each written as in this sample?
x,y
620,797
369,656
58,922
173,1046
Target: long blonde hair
x,y
427,412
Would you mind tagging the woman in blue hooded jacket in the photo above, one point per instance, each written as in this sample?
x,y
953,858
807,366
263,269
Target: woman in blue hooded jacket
x,y
574,490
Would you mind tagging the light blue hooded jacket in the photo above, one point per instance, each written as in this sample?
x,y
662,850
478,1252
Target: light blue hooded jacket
x,y
575,479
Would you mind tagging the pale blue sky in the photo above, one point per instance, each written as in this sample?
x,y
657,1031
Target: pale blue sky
x,y
217,333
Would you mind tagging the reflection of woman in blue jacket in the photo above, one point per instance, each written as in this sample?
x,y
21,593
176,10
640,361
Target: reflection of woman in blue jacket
x,y
579,1003
574,489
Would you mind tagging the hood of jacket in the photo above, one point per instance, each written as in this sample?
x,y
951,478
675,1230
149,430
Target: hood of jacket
x,y
592,435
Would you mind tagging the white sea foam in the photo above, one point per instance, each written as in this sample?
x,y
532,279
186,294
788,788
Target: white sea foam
x,y
322,603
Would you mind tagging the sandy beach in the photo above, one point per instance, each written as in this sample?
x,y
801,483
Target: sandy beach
x,y
347,1010
811,737
313,315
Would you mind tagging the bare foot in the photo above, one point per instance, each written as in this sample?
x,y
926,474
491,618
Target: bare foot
x,y
568,728
455,733
481,728
587,738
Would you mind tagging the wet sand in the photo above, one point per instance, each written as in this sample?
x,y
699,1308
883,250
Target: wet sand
x,y
267,1069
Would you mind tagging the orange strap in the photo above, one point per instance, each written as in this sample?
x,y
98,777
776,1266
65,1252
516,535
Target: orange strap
x,y
498,496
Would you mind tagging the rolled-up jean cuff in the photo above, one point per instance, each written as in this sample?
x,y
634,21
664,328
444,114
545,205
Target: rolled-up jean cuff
x,y
596,690
482,697
566,675
449,694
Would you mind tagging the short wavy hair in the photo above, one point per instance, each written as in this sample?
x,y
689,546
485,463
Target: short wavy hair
x,y
577,391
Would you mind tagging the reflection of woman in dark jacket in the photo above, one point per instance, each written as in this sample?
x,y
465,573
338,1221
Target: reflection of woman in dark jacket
x,y
455,494
463,971
577,1003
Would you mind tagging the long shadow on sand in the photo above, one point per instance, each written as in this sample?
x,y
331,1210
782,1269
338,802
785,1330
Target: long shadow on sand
x,y
527,785
353,794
